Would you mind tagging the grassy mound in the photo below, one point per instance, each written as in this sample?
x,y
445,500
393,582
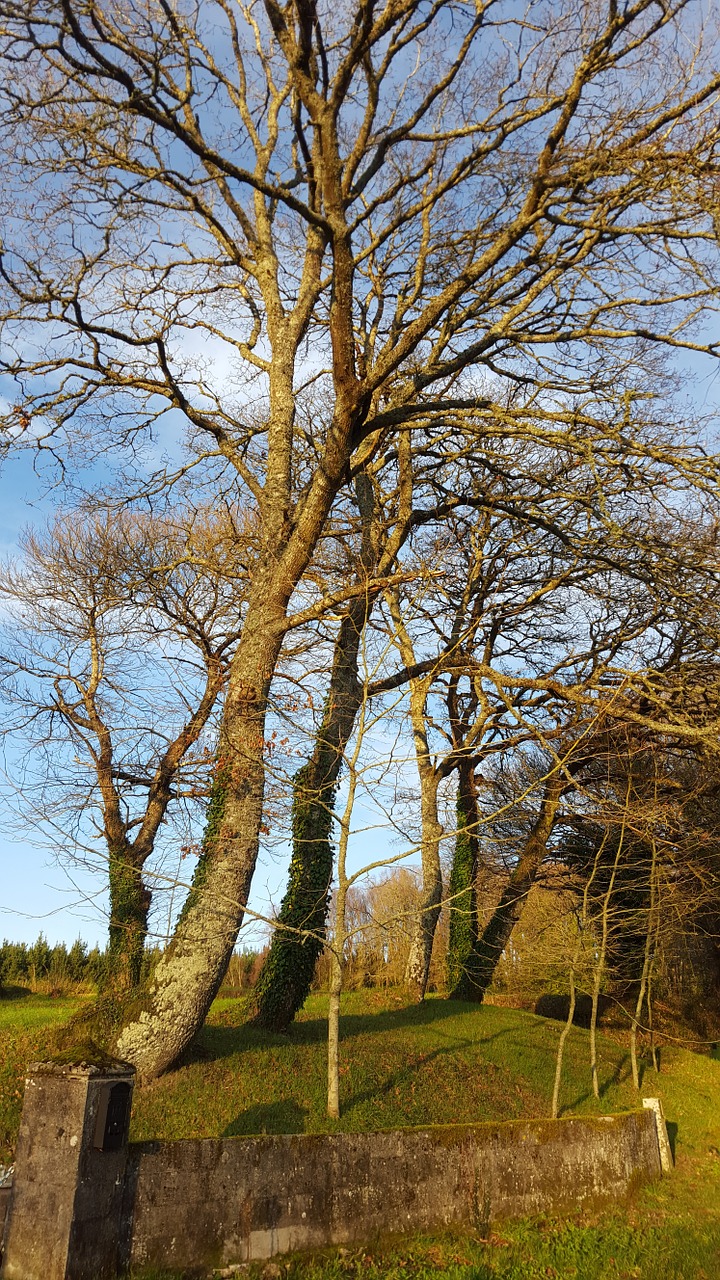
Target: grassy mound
x,y
443,1061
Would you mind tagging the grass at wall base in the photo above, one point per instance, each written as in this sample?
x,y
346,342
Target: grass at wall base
x,y
447,1062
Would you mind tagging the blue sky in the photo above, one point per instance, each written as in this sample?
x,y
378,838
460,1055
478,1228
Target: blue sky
x,y
36,892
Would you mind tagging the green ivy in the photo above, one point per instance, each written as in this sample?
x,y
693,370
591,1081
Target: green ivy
x,y
129,906
287,974
463,913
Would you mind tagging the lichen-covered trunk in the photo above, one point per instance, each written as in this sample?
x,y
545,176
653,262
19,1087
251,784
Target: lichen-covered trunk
x,y
417,969
129,908
461,890
189,973
173,1006
284,983
490,945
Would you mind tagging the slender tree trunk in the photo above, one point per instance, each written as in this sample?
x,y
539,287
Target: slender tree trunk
x,y
336,981
337,959
288,970
462,891
496,935
422,927
129,908
603,949
600,964
337,971
566,1030
651,1028
597,983
643,990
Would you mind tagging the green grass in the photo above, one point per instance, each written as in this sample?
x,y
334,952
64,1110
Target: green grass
x,y
444,1062
24,1025
400,1066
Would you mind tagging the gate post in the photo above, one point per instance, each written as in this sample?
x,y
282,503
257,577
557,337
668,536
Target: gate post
x,y
64,1214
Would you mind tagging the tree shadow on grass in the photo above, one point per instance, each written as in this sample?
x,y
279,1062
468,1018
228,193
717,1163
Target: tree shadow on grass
x,y
283,1116
217,1041
406,1073
620,1071
287,1116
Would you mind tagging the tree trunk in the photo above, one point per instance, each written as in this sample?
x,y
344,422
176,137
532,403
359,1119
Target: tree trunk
x,y
129,908
175,1003
188,976
496,935
287,973
462,894
555,1109
336,984
648,958
602,957
423,929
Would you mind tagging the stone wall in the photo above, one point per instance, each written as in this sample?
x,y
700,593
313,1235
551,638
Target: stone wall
x,y
200,1203
86,1205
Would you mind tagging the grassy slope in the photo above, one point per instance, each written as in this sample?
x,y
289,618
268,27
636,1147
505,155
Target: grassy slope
x,y
443,1062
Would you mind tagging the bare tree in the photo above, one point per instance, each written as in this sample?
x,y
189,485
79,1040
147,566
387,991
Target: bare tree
x,y
644,857
377,201
395,498
117,648
524,617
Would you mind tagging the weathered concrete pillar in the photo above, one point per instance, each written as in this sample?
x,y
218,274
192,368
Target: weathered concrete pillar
x,y
666,1155
64,1216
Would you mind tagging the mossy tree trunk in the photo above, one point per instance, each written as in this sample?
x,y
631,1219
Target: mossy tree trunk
x,y
129,908
130,898
188,975
288,970
287,973
172,1007
462,888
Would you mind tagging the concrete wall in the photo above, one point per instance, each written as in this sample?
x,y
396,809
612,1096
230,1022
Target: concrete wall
x,y
200,1203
